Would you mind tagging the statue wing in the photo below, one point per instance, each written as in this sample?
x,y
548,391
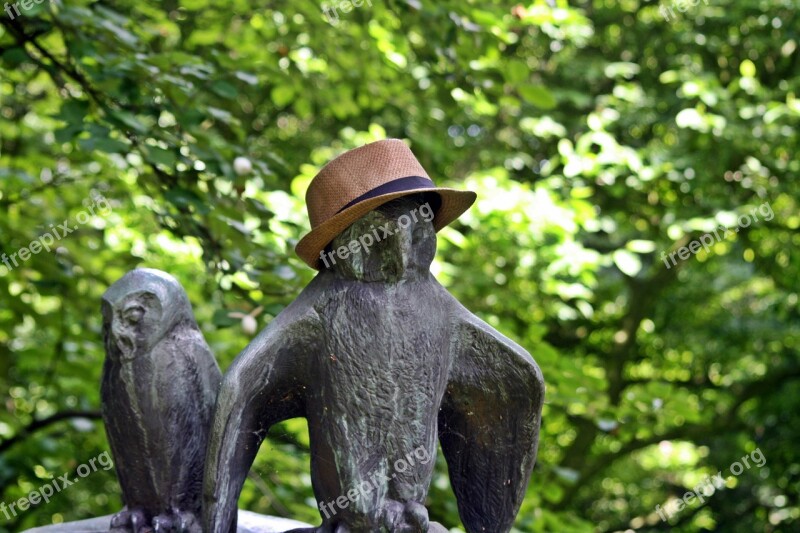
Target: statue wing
x,y
266,384
489,423
187,379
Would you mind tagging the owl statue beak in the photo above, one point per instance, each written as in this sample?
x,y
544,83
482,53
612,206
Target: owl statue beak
x,y
125,345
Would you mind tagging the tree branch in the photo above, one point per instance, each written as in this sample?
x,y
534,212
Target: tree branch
x,y
36,425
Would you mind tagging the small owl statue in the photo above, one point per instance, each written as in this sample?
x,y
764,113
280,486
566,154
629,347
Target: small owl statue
x,y
158,390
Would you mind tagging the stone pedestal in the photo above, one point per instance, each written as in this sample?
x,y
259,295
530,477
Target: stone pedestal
x,y
248,523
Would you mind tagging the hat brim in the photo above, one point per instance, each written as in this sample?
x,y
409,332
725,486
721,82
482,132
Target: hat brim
x,y
454,203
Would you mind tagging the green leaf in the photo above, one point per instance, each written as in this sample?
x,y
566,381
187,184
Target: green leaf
x,y
517,71
629,263
183,197
130,120
641,246
747,69
111,146
74,111
67,133
538,96
160,156
221,114
225,90
282,95
250,79
222,319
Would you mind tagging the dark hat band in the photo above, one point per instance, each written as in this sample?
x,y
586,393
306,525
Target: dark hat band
x,y
409,183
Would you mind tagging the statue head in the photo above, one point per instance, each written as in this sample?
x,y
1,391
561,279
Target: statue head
x,y
393,242
139,310
361,183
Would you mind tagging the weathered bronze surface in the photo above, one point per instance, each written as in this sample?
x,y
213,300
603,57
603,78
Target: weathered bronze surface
x,y
159,385
375,353
382,360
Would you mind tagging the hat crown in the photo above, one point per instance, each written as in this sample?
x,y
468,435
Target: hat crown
x,y
356,173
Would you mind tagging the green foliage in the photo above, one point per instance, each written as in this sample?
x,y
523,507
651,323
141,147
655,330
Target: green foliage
x,y
597,134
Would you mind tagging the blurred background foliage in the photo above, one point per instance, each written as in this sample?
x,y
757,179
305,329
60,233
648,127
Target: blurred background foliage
x,y
599,134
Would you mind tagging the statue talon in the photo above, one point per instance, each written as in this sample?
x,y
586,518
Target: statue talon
x,y
189,523
417,516
411,517
121,520
176,521
128,520
139,523
163,524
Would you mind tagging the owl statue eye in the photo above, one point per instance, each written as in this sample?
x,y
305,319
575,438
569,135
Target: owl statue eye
x,y
133,315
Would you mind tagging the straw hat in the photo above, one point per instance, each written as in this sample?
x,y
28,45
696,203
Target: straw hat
x,y
362,179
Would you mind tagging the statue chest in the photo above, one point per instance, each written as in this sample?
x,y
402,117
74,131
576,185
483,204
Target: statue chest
x,y
384,342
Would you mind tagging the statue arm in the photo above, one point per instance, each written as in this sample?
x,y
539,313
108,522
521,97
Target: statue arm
x,y
265,385
489,423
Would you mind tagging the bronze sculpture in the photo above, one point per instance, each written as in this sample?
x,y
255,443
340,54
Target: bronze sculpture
x,y
159,385
380,358
374,352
